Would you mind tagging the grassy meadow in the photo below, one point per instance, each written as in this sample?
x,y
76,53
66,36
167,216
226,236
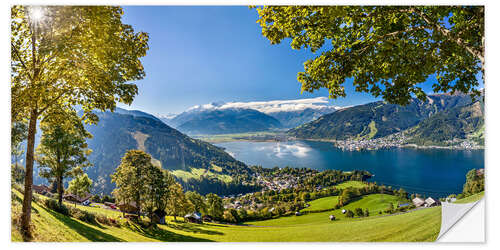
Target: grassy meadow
x,y
418,225
472,198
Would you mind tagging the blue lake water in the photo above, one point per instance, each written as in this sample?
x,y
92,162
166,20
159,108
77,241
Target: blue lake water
x,y
432,172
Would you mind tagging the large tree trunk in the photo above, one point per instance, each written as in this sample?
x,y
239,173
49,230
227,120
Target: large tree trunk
x,y
28,180
60,189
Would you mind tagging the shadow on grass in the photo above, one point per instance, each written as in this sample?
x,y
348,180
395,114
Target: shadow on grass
x,y
82,229
192,228
163,235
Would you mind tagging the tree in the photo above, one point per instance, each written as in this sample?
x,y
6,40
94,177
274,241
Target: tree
x,y
346,196
18,134
474,183
359,212
130,178
367,213
63,56
349,214
387,50
390,208
197,200
62,151
157,189
178,204
17,173
80,186
215,207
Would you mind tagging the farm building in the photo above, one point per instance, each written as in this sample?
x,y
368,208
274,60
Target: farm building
x,y
41,189
76,198
418,202
431,202
332,217
193,217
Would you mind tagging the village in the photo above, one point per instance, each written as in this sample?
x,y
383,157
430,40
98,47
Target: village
x,y
399,140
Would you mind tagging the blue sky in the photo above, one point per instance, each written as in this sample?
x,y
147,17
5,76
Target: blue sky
x,y
200,55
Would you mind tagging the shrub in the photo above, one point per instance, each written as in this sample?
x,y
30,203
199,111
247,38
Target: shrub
x,y
52,204
359,212
106,220
82,215
349,214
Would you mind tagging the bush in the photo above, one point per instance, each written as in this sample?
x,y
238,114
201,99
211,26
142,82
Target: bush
x,y
52,204
349,214
359,212
82,215
106,220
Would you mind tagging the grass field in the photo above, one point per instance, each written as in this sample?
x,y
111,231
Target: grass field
x,y
354,184
196,173
331,201
472,198
420,225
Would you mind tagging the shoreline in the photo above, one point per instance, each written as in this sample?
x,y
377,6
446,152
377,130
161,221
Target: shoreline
x,y
414,146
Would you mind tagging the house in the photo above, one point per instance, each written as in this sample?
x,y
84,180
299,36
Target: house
x,y
130,207
430,202
193,217
76,198
297,213
343,211
159,216
41,189
332,217
418,202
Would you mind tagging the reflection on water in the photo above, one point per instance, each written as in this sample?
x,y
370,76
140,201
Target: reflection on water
x,y
281,149
435,172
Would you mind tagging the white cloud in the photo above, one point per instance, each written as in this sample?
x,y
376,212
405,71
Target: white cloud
x,y
272,106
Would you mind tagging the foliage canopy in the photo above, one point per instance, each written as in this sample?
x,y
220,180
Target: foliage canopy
x,y
387,50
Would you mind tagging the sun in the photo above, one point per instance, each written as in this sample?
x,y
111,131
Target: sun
x,y
36,14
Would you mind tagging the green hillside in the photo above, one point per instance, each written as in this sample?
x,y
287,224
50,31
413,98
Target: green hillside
x,y
116,133
374,203
376,119
419,225
466,122
472,198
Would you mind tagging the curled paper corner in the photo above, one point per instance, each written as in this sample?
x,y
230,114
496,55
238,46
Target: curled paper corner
x,y
451,213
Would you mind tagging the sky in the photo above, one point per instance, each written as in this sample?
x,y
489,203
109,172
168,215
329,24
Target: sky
x,y
199,55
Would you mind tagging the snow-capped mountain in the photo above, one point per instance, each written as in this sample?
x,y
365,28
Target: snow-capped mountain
x,y
289,113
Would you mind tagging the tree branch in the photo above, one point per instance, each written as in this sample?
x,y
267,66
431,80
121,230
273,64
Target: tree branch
x,y
16,52
447,33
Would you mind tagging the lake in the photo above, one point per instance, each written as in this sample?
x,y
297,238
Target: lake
x,y
432,172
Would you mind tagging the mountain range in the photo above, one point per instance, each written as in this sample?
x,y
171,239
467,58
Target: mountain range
x,y
440,117
224,121
124,130
240,117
